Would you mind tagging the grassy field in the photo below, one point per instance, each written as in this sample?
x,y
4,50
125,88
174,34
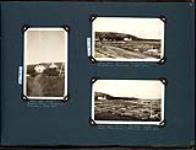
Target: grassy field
x,y
45,86
128,110
49,83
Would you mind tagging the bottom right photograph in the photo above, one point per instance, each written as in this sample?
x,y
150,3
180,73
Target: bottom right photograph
x,y
128,102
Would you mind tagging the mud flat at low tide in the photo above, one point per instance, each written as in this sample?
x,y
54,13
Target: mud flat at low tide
x,y
128,101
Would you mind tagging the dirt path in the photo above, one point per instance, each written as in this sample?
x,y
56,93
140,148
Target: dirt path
x,y
37,89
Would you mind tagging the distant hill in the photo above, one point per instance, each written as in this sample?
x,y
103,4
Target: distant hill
x,y
100,95
120,36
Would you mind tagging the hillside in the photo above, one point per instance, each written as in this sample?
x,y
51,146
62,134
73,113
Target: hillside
x,y
120,36
109,97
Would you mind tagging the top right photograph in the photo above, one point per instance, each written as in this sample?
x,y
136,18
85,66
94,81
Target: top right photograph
x,y
128,39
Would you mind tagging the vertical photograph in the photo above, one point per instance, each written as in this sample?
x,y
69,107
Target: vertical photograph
x,y
128,102
45,63
127,39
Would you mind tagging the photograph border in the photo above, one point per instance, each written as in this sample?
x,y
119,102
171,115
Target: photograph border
x,y
160,61
160,123
66,30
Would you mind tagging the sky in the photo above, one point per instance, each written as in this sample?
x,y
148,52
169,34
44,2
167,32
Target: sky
x,y
45,46
130,88
149,28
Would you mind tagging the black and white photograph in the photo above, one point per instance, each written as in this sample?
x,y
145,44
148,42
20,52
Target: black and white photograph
x,y
128,39
128,102
45,63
